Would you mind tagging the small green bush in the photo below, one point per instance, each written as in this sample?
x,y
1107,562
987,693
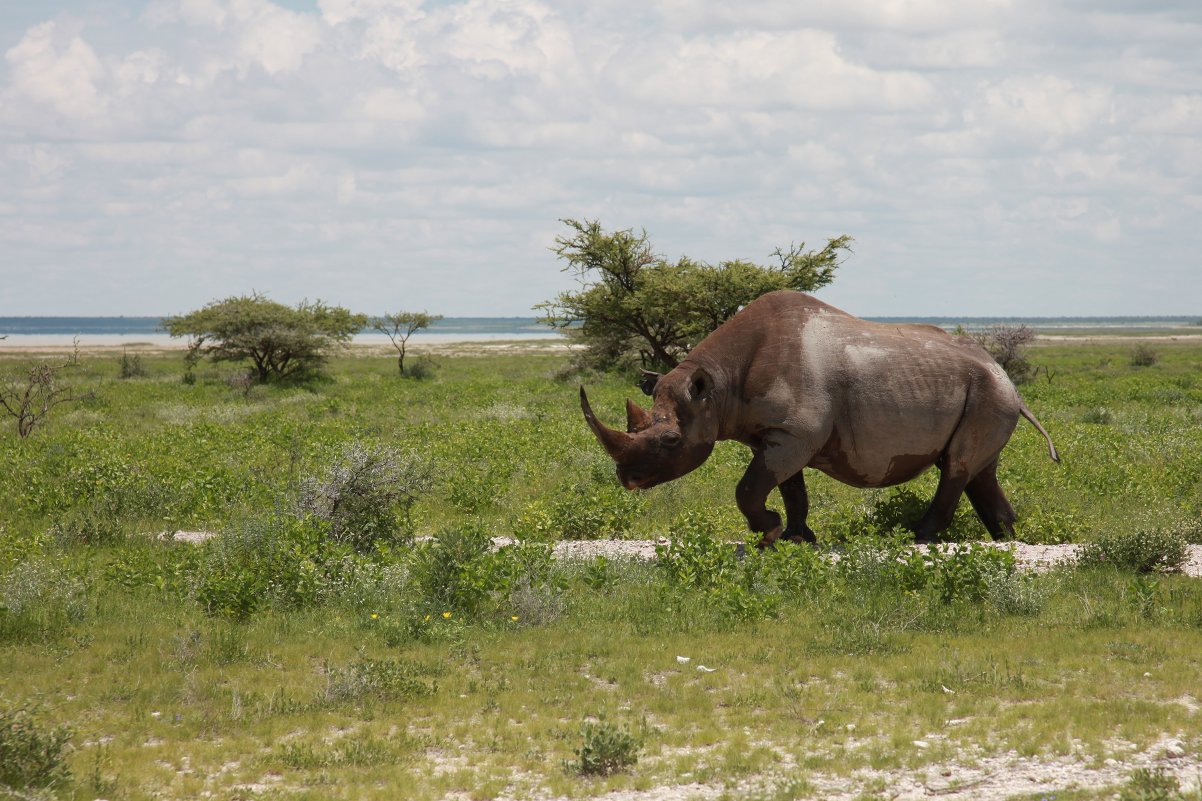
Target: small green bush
x,y
1142,550
360,751
460,572
277,560
696,556
456,571
40,597
605,749
32,754
1018,594
583,511
959,572
374,680
366,494
420,368
1098,415
131,366
1050,526
1151,784
1144,356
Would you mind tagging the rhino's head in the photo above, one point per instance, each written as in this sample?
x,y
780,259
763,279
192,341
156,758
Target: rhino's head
x,y
674,437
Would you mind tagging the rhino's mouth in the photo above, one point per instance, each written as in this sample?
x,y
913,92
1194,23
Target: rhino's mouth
x,y
633,480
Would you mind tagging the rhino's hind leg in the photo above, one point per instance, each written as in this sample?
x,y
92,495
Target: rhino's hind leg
x,y
990,503
797,508
939,514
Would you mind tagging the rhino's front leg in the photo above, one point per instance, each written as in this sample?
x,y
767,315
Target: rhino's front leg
x,y
752,496
797,508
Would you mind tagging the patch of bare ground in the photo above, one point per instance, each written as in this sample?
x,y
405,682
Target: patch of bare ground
x,y
1035,558
1115,339
968,778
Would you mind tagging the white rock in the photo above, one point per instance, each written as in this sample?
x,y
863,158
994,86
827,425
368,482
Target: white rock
x,y
705,669
1174,749
921,744
684,660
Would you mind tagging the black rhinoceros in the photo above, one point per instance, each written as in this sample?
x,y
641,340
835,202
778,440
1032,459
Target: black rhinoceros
x,y
804,384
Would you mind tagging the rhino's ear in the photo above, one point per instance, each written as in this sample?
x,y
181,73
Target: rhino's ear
x,y
647,381
701,385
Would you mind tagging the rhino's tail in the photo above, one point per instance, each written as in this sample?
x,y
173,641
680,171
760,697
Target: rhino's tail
x,y
1025,412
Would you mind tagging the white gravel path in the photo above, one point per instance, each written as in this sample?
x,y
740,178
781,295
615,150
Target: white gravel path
x,y
1036,558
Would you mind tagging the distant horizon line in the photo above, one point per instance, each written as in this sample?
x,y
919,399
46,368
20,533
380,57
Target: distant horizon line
x,y
884,318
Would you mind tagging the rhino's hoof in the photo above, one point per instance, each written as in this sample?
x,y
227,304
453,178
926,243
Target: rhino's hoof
x,y
769,539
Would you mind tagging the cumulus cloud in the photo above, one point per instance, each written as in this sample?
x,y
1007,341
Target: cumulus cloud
x,y
422,151
52,65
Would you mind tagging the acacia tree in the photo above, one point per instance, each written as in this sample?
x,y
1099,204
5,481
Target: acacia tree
x,y
30,399
399,326
280,341
1007,344
634,306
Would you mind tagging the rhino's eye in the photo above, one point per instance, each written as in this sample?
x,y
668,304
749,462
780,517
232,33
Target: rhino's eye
x,y
670,438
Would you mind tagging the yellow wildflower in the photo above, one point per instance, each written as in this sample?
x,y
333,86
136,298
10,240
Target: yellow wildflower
x,y
446,615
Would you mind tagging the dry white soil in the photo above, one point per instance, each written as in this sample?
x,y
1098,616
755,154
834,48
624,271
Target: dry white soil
x,y
1037,558
967,778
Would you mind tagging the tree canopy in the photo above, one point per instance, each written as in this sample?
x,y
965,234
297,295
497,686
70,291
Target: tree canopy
x,y
399,326
280,341
636,307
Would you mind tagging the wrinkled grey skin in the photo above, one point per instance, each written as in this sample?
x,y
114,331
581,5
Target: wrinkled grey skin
x,y
804,384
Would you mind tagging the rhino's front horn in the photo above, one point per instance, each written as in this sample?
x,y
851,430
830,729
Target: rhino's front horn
x,y
614,442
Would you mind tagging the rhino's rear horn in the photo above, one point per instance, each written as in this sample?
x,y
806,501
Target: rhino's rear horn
x,y
614,442
637,418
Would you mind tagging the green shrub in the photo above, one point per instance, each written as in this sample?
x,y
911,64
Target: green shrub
x,y
460,572
1144,356
903,507
94,522
375,680
1143,550
32,754
957,573
605,749
366,494
278,560
1151,784
360,751
584,511
456,571
950,573
131,366
1019,594
166,567
1048,526
695,556
420,368
40,597
1098,415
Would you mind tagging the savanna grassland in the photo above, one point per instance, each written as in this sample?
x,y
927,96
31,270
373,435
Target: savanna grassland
x,y
351,633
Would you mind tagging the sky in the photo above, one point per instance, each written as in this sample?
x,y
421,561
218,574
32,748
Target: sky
x,y
999,157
